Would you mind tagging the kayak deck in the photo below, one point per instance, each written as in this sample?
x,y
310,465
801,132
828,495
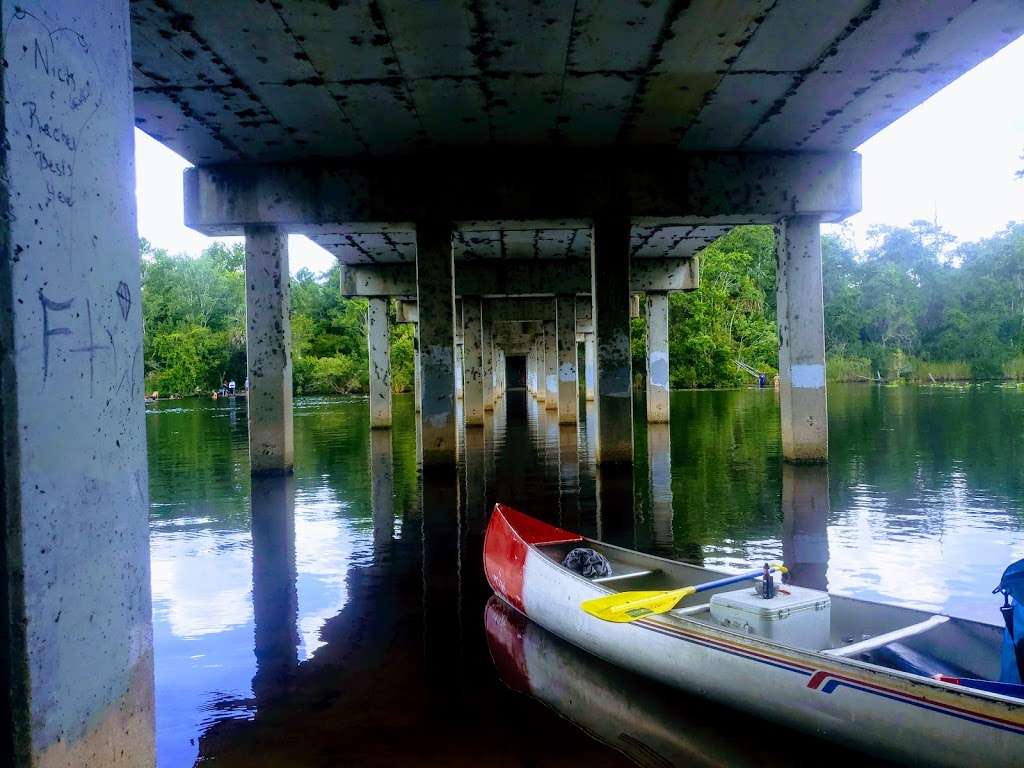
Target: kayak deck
x,y
891,637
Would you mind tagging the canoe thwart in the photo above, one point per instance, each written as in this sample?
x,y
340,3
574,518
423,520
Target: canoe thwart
x,y
888,637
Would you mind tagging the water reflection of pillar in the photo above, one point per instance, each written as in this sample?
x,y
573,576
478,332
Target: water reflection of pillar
x,y
275,603
442,619
805,508
475,468
568,477
382,491
659,461
613,493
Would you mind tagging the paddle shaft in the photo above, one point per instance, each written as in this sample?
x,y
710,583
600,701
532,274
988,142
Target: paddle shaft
x,y
687,591
727,580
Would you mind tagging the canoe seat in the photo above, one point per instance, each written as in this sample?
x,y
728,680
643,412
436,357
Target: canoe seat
x,y
878,641
622,576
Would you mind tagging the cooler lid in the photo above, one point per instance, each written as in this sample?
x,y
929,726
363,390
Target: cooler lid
x,y
749,600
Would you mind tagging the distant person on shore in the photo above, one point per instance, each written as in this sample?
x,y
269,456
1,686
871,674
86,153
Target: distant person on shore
x,y
231,387
246,383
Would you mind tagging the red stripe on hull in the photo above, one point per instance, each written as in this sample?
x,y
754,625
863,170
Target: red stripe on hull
x,y
509,535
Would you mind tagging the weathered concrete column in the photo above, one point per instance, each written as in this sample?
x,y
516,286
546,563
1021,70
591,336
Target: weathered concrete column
x,y
550,365
435,294
472,362
801,342
268,348
657,358
568,393
77,649
487,358
539,383
459,371
418,382
590,363
378,336
609,256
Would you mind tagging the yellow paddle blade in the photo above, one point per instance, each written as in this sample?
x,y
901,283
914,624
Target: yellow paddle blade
x,y
630,606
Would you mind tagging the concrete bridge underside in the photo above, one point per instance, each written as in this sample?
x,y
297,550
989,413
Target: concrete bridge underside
x,y
573,154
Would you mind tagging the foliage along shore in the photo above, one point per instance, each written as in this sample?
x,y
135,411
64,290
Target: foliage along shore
x,y
913,307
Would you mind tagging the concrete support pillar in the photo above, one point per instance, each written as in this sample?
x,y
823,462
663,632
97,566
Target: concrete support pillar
x,y
590,363
460,367
418,382
472,362
77,651
378,335
550,365
539,365
801,342
657,358
568,394
268,349
501,374
609,255
435,295
487,357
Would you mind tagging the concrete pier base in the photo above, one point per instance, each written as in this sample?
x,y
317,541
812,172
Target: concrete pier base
x,y
801,342
657,358
268,348
568,394
472,362
378,335
76,677
550,365
435,286
610,253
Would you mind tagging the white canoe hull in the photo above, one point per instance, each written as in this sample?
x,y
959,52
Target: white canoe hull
x,y
880,711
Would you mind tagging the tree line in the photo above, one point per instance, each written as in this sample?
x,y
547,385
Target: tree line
x,y
914,306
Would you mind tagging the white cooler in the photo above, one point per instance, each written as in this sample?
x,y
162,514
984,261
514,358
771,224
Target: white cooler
x,y
801,619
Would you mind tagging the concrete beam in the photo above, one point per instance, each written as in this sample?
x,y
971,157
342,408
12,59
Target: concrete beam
x,y
519,278
709,187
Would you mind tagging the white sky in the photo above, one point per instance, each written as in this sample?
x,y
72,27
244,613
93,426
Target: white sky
x,y
953,158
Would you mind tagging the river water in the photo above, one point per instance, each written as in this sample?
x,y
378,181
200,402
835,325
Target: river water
x,y
340,617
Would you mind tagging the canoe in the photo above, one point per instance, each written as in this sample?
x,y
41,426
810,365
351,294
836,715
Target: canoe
x,y
869,685
651,724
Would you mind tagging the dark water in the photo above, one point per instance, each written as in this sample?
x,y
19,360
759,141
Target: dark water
x,y
338,617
